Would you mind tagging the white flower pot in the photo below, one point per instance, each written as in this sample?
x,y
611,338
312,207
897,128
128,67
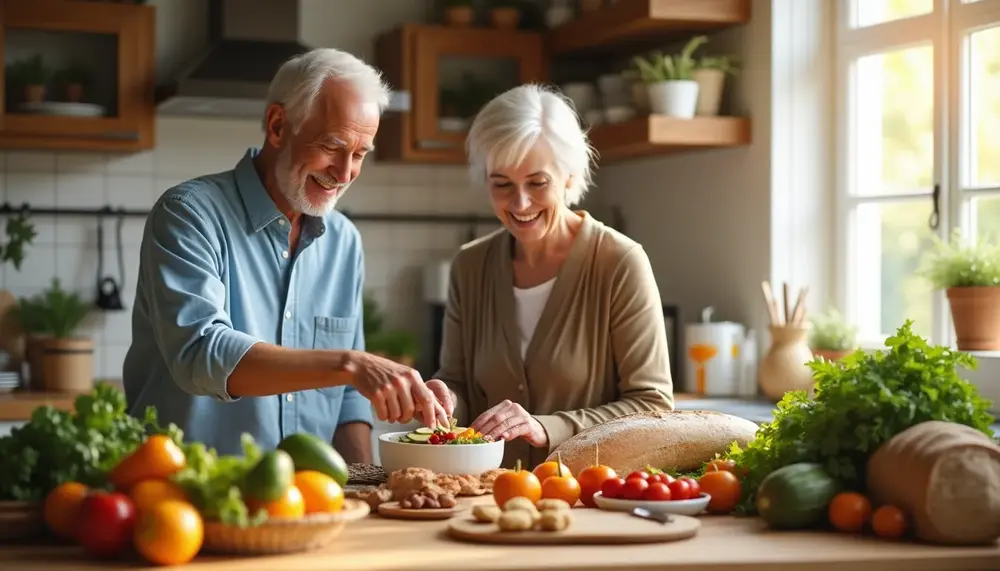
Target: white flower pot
x,y
710,85
673,98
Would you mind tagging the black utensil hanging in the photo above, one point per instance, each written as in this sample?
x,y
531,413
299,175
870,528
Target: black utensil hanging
x,y
109,296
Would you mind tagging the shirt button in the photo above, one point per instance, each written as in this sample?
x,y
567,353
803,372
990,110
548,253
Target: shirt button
x,y
289,398
281,222
520,388
284,254
288,315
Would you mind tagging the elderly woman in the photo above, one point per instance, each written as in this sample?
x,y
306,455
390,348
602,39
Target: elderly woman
x,y
554,322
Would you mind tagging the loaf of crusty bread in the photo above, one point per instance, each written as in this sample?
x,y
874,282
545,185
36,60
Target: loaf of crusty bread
x,y
674,440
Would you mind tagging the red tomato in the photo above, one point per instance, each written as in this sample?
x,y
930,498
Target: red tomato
x,y
680,490
637,474
634,488
104,528
656,492
693,485
666,478
612,488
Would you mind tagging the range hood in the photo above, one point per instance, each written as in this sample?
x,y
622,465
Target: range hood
x,y
247,43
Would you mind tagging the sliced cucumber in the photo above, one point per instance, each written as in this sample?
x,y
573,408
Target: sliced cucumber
x,y
418,438
423,430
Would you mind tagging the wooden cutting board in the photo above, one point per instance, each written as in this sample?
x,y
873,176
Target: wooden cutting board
x,y
393,511
589,526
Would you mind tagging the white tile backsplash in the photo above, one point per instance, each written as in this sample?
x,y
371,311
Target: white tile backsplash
x,y
67,247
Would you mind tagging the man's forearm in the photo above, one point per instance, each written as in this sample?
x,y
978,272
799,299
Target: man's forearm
x,y
353,441
297,369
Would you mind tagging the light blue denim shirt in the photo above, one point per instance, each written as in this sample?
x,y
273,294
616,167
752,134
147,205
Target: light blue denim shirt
x,y
216,277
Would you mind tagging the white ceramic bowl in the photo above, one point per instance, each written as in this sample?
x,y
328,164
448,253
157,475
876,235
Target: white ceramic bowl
x,y
678,507
440,458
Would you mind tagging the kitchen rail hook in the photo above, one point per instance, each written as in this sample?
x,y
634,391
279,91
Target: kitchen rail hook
x,y
935,219
109,296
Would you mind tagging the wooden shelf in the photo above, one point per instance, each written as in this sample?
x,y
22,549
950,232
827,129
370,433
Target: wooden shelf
x,y
631,24
658,135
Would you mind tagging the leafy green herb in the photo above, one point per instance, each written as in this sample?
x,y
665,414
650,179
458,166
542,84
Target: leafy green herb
x,y
861,402
58,446
213,482
955,264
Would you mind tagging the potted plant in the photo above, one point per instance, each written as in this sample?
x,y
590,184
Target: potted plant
x,y
73,80
505,14
459,13
52,319
831,336
400,346
710,74
28,77
668,78
970,276
20,233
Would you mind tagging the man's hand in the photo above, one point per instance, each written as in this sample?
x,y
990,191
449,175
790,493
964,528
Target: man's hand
x,y
509,420
443,395
397,391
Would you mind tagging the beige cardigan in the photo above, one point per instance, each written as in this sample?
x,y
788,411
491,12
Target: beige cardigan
x,y
599,350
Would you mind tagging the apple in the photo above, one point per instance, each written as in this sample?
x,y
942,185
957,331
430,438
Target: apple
x,y
104,528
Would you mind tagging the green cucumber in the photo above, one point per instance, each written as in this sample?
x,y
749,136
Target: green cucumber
x,y
270,477
796,496
418,438
310,452
423,430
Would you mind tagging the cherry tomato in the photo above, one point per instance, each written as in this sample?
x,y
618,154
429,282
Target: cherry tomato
x,y
449,436
634,488
638,474
680,490
434,439
666,478
612,488
105,524
693,486
656,492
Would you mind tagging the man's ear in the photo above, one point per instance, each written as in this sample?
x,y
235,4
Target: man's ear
x,y
276,125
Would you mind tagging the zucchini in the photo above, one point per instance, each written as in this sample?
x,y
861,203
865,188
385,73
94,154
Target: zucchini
x,y
796,496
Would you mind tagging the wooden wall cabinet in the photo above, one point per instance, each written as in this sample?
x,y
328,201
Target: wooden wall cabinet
x,y
98,66
442,76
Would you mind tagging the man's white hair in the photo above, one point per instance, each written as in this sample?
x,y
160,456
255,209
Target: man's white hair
x,y
298,82
507,128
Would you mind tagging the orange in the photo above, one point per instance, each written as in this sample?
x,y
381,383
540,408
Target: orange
x,y
564,488
321,493
62,508
516,483
546,470
290,505
158,457
850,511
148,493
725,489
169,533
889,522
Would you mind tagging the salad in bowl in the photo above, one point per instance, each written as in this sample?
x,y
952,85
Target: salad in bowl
x,y
444,450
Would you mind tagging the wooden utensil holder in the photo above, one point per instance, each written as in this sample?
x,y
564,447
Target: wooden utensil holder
x,y
784,368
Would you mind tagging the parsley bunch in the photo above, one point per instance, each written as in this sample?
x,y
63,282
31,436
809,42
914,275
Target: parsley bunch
x,y
58,446
859,403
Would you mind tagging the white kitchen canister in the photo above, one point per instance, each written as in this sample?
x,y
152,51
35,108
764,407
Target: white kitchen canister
x,y
674,98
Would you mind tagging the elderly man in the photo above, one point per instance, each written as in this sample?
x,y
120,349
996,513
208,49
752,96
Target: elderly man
x,y
248,309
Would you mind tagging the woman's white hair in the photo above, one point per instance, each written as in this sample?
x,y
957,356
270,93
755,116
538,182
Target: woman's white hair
x,y
508,128
298,82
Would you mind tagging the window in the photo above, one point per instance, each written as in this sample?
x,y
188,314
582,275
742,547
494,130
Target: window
x,y
918,143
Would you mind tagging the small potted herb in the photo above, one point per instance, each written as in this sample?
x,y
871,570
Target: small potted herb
x,y
672,90
710,74
831,336
73,80
459,13
51,319
970,276
505,14
29,77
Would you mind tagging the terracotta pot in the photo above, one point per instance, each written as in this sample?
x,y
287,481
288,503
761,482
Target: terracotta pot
x,y
831,354
975,312
68,364
459,16
505,18
784,366
74,93
34,93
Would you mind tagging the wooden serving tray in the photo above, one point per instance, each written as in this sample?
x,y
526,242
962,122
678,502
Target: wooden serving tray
x,y
392,510
589,526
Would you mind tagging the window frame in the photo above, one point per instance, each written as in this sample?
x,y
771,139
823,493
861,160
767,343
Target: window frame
x,y
946,29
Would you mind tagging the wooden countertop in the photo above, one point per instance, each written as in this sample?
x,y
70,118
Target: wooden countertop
x,y
18,405
723,543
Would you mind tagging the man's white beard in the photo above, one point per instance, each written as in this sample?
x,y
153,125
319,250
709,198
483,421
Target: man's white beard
x,y
296,193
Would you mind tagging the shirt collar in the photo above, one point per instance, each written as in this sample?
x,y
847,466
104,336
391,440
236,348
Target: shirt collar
x,y
260,208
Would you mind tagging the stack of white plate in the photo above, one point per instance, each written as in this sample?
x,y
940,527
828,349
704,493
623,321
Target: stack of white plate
x,y
9,380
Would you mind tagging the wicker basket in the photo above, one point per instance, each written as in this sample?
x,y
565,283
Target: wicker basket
x,y
21,520
313,531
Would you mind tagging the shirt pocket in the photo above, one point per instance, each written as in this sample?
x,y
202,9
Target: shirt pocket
x,y
334,332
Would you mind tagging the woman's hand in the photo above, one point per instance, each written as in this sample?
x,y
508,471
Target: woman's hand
x,y
509,420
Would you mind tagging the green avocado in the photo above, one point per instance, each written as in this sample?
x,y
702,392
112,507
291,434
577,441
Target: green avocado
x,y
270,477
310,452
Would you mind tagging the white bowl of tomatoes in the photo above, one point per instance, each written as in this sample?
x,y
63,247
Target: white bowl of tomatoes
x,y
654,491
